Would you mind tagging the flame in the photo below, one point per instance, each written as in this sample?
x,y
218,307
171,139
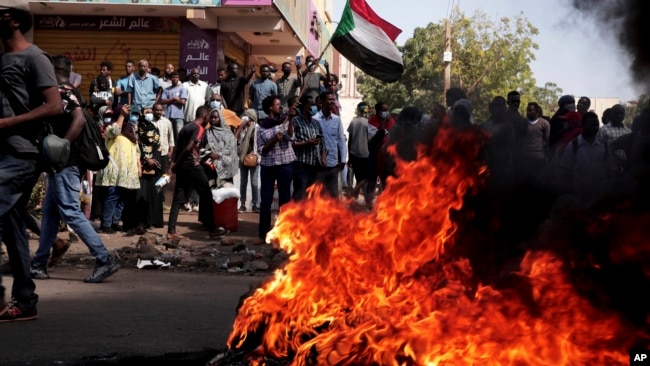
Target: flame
x,y
385,287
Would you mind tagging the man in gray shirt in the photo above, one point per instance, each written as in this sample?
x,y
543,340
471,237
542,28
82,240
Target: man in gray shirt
x,y
28,95
262,88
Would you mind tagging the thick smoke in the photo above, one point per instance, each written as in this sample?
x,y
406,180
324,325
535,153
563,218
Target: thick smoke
x,y
630,19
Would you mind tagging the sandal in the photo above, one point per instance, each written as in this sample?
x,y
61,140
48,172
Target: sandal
x,y
174,236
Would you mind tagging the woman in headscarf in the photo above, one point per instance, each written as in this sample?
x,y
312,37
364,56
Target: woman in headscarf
x,y
222,161
122,175
221,142
148,202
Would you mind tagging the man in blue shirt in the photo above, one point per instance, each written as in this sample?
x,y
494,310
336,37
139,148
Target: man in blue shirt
x,y
175,97
144,88
262,88
123,84
334,137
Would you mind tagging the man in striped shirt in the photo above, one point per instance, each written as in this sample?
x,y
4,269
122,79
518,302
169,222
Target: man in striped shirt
x,y
309,147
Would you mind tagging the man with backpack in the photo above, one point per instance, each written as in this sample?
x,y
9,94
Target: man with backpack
x,y
61,200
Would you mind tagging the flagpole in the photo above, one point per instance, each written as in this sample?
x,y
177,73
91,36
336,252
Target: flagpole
x,y
302,89
329,43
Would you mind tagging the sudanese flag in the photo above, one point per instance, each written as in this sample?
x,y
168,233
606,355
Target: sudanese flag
x,y
368,42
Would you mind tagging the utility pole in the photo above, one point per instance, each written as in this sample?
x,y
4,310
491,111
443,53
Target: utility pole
x,y
447,57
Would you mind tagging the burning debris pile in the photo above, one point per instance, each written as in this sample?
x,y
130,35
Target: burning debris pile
x,y
394,287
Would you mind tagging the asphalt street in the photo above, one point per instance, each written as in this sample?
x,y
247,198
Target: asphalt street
x,y
137,314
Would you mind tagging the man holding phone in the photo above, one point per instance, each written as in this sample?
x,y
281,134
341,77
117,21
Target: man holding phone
x,y
308,146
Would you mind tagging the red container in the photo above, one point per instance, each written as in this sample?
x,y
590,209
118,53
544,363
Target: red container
x,y
225,214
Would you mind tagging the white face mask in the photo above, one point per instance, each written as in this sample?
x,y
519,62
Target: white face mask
x,y
215,104
107,120
148,117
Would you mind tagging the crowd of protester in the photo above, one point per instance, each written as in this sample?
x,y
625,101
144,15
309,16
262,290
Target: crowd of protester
x,y
281,135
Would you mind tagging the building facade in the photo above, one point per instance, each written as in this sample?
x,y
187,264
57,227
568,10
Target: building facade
x,y
207,34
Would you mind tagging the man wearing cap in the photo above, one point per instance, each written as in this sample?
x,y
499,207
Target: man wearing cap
x,y
28,94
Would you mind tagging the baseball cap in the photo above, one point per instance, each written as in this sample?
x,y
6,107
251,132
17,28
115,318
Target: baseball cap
x,y
15,4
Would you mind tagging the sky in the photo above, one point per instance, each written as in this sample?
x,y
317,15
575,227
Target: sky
x,y
575,52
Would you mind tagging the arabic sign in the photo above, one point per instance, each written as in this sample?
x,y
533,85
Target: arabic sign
x,y
112,23
152,2
313,43
199,49
246,2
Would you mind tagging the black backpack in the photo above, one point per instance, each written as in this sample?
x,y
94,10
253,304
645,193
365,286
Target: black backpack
x,y
93,154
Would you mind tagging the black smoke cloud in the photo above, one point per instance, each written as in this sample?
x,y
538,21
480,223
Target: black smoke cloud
x,y
630,19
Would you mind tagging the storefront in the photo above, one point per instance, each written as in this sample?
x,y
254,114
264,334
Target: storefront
x,y
88,41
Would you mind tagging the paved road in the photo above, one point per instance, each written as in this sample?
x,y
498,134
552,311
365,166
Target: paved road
x,y
135,312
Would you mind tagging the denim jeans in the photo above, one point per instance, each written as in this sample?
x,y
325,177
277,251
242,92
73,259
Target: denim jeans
x,y
177,124
304,175
113,206
283,174
17,177
254,174
61,202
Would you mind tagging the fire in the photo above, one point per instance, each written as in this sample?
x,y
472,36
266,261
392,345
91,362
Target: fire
x,y
386,288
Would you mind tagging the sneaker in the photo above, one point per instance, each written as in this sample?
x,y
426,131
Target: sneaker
x,y
195,208
103,271
242,209
256,209
14,311
117,227
188,207
39,273
107,230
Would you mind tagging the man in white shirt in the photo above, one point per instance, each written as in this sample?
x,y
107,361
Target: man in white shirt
x,y
196,90
166,131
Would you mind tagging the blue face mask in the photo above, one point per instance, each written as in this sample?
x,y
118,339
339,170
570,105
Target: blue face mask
x,y
215,104
313,110
133,118
385,115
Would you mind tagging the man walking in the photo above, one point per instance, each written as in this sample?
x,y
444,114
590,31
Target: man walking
x,y
61,200
27,82
189,172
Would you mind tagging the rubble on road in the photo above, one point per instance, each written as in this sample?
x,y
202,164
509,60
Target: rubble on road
x,y
227,255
